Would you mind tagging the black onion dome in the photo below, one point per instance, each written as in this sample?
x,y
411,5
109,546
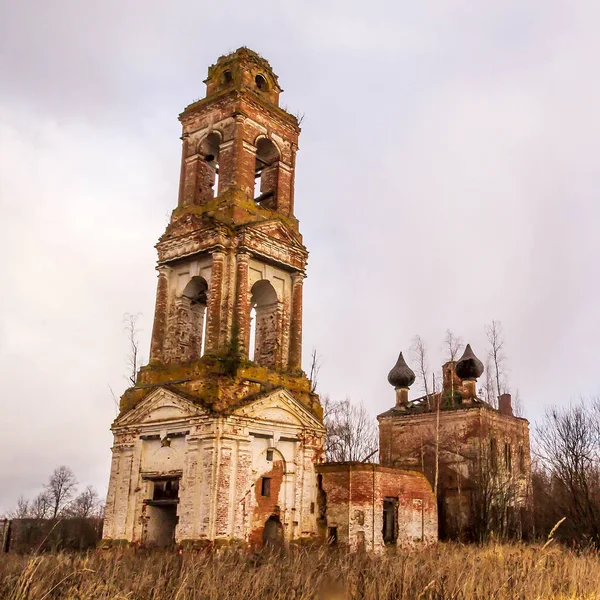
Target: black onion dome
x,y
468,365
401,376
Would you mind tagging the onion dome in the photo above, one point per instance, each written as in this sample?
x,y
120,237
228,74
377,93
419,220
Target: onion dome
x,y
401,376
468,365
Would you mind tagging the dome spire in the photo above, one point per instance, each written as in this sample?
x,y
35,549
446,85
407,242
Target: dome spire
x,y
401,375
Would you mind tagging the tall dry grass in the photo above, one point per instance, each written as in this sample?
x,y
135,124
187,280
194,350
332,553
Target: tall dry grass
x,y
445,571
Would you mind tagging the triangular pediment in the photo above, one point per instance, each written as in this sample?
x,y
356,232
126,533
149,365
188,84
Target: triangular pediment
x,y
280,407
277,230
161,405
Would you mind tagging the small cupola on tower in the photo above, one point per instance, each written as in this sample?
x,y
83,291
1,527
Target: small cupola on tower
x,y
401,377
469,368
243,70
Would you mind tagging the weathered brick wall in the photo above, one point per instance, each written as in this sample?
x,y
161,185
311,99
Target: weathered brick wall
x,y
473,443
220,462
354,505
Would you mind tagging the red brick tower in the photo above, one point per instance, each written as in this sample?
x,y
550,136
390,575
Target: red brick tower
x,y
231,263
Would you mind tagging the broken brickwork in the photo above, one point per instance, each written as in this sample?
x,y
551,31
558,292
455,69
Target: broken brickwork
x,y
371,507
483,464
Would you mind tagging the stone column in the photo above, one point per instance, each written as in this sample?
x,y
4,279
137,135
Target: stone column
x,y
215,299
157,346
242,302
295,363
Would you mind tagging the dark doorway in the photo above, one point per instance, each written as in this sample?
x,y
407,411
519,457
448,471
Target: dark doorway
x,y
272,536
390,525
161,512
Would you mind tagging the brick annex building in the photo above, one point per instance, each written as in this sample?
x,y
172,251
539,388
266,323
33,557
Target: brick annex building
x,y
222,439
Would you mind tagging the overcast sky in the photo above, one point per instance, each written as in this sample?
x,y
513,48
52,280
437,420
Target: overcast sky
x,y
447,176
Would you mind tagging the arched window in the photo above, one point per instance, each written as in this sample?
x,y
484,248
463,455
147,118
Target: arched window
x,y
261,83
265,324
190,321
208,175
266,172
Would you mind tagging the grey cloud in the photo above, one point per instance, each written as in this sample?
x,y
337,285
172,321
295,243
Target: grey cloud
x,y
447,175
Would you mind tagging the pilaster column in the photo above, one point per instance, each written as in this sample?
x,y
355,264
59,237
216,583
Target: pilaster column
x,y
215,299
242,302
184,150
160,316
295,362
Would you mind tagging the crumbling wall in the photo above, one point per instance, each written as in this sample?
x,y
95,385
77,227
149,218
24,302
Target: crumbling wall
x,y
475,446
356,495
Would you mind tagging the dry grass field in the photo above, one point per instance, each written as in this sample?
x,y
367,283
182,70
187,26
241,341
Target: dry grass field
x,y
446,571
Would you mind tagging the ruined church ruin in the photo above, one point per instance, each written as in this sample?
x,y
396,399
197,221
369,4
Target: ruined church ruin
x,y
221,440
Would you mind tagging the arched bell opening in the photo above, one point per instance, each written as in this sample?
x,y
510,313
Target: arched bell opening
x,y
266,174
208,175
264,325
187,322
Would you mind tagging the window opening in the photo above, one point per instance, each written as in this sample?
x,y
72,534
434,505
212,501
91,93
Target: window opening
x,y
166,489
209,175
265,488
389,520
269,454
266,171
227,77
493,455
190,312
261,82
265,325
507,457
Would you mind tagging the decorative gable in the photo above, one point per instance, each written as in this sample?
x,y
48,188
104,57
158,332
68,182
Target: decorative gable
x,y
161,405
280,407
275,240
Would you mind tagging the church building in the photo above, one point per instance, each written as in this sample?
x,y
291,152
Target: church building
x,y
222,438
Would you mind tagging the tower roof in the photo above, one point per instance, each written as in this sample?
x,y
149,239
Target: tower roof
x,y
468,365
401,375
245,70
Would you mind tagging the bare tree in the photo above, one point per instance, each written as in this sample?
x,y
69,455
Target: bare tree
x,y
23,510
419,354
453,345
568,441
352,434
133,358
495,338
40,507
315,367
85,504
489,389
60,489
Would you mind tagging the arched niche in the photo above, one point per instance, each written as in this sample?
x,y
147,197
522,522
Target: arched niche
x,y
265,329
187,322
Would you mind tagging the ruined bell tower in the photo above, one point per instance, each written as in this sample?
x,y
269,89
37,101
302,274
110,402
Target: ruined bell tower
x,y
234,228
222,431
